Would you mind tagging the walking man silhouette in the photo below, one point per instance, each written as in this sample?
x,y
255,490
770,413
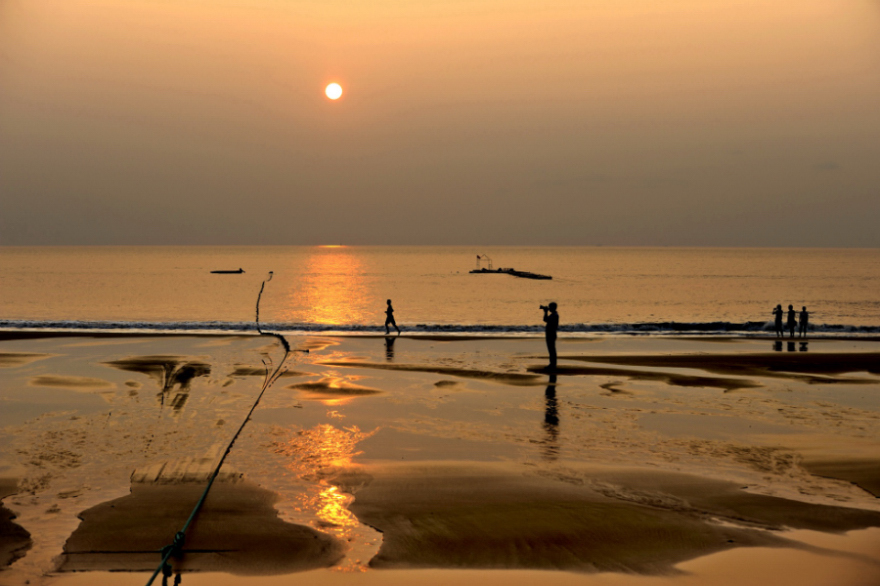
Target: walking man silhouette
x,y
389,319
551,318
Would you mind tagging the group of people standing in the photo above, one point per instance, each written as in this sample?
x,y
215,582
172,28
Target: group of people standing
x,y
793,322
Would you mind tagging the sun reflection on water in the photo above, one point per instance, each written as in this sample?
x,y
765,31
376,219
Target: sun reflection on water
x,y
333,510
318,455
333,290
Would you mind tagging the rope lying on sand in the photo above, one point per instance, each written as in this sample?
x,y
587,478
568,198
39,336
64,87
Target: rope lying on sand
x,y
175,548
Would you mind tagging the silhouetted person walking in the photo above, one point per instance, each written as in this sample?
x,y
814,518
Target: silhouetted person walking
x,y
389,319
551,318
804,321
792,321
777,314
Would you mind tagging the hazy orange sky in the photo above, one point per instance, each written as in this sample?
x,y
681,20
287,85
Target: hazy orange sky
x,y
632,122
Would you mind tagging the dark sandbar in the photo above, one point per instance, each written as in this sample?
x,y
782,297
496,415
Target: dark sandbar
x,y
14,539
766,365
681,380
237,531
510,378
864,473
465,516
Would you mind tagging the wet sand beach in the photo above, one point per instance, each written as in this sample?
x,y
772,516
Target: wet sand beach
x,y
639,460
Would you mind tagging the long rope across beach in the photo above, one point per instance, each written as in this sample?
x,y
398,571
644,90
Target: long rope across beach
x,y
175,548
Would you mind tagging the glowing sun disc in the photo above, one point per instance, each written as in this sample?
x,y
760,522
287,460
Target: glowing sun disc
x,y
333,91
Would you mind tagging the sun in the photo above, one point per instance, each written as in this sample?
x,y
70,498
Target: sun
x,y
333,91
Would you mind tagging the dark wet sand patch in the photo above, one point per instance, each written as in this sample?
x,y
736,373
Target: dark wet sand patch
x,y
509,378
163,367
334,386
464,516
261,371
709,498
14,539
445,384
435,337
15,359
316,344
616,388
774,364
680,380
70,382
167,371
864,473
718,339
238,531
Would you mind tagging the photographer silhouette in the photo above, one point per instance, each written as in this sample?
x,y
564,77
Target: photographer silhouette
x,y
551,318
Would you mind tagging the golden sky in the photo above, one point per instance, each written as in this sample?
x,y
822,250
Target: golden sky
x,y
682,122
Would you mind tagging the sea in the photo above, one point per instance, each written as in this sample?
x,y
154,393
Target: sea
x,y
343,289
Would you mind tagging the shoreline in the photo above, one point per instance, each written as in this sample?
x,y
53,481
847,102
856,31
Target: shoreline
x,y
22,334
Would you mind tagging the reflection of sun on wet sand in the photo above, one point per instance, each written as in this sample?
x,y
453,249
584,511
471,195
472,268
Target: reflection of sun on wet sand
x,y
334,386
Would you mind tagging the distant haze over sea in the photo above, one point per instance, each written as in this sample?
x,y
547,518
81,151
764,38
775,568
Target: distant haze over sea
x,y
517,122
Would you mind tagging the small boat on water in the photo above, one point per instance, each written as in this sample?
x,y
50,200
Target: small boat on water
x,y
514,272
481,270
238,272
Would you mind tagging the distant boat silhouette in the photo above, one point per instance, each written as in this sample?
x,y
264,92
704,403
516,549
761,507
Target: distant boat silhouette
x,y
514,272
481,270
238,272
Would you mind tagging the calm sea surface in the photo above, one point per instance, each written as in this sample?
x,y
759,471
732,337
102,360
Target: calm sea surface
x,y
344,289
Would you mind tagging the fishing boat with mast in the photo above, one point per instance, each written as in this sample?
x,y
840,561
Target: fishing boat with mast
x,y
489,270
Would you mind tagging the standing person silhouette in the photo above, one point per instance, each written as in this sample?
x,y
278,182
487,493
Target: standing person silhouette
x,y
777,313
792,321
551,318
804,321
389,319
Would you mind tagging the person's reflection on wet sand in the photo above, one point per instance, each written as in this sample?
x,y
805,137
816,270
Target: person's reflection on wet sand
x,y
790,346
177,579
389,347
777,346
803,347
551,421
